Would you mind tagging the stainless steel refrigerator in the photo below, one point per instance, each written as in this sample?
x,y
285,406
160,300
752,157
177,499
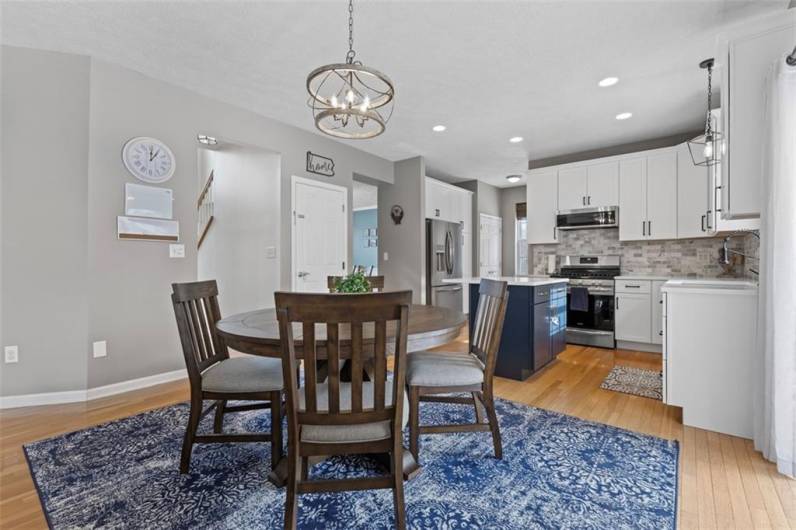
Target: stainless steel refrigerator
x,y
443,260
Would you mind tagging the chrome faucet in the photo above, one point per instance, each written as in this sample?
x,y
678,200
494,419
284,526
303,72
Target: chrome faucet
x,y
726,250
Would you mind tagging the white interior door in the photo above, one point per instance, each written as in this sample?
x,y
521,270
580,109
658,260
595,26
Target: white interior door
x,y
320,233
491,245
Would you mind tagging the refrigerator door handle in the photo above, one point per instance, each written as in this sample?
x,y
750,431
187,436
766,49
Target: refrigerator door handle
x,y
451,289
448,252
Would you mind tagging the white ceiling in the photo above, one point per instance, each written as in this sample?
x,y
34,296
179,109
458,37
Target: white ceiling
x,y
486,70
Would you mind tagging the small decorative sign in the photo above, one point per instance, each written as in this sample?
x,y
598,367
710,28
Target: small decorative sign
x,y
320,165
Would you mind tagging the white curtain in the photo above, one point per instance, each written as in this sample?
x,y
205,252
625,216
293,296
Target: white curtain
x,y
775,404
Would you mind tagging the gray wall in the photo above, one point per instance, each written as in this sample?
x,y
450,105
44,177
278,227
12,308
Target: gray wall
x,y
45,113
405,243
59,178
509,197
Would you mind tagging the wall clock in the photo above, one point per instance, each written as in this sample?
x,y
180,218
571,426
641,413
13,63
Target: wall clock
x,y
148,159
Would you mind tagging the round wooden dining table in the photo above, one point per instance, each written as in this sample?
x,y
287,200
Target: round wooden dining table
x,y
257,333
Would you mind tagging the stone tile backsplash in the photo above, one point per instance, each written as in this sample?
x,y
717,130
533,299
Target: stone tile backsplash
x,y
679,257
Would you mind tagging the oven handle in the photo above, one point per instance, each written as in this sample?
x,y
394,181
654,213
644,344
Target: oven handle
x,y
590,332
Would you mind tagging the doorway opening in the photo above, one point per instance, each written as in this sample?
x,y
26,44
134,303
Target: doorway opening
x,y
238,218
365,233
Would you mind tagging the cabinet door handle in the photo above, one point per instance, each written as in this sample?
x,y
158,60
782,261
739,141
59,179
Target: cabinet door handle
x,y
649,228
617,303
703,222
632,286
643,228
554,233
588,200
436,212
707,222
583,200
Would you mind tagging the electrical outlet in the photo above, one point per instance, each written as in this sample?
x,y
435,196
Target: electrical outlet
x,y
11,354
100,349
176,250
386,257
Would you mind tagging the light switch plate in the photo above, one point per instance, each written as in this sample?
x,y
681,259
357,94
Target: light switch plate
x,y
11,354
386,257
270,252
100,349
176,250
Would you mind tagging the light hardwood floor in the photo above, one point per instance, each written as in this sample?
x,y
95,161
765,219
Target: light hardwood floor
x,y
724,483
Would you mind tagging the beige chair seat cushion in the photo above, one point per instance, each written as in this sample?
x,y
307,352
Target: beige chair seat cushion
x,y
243,374
444,369
363,432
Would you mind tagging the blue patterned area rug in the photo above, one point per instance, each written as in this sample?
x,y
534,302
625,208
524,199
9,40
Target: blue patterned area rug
x,y
557,472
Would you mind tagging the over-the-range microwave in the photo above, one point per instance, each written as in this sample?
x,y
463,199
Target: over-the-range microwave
x,y
600,217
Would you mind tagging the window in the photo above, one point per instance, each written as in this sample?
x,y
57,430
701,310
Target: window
x,y
521,247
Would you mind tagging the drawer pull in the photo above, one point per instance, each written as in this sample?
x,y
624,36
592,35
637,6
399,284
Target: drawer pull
x,y
633,286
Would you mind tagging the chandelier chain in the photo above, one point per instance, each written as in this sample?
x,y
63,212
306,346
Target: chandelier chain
x,y
349,57
708,125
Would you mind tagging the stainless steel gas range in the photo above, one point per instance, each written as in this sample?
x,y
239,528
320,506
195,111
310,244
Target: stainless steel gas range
x,y
590,298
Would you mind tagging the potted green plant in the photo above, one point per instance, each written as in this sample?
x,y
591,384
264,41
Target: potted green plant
x,y
356,282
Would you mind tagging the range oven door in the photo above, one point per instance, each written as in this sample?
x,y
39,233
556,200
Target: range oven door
x,y
594,327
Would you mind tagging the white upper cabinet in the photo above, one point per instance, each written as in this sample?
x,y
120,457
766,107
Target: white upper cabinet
x,y
749,59
542,207
662,195
692,196
632,199
446,202
573,188
603,185
648,197
588,186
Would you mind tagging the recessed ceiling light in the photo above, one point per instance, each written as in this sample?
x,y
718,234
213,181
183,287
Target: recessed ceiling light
x,y
514,178
608,81
438,128
624,115
515,139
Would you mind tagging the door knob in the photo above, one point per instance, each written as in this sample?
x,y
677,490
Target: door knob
x,y
303,274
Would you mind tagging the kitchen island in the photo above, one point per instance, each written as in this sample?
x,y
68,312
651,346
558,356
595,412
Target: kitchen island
x,y
534,331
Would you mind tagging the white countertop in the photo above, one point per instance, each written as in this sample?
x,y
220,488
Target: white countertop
x,y
529,281
637,277
712,286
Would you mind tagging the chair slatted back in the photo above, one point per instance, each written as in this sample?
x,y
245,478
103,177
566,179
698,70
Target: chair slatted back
x,y
196,309
376,283
493,297
336,327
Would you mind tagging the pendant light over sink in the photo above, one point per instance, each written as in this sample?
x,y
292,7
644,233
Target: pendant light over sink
x,y
707,148
350,100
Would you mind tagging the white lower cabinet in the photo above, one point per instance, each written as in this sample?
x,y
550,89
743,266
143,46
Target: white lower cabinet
x,y
632,317
708,353
638,311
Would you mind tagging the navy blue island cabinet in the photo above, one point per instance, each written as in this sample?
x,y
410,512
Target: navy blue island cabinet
x,y
534,331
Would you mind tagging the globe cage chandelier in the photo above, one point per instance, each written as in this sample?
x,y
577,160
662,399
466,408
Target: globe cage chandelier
x,y
707,148
350,100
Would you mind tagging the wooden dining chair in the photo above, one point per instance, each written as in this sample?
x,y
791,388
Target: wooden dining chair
x,y
214,375
376,283
342,418
430,374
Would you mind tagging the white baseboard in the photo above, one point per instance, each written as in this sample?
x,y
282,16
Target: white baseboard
x,y
134,384
46,398
76,396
